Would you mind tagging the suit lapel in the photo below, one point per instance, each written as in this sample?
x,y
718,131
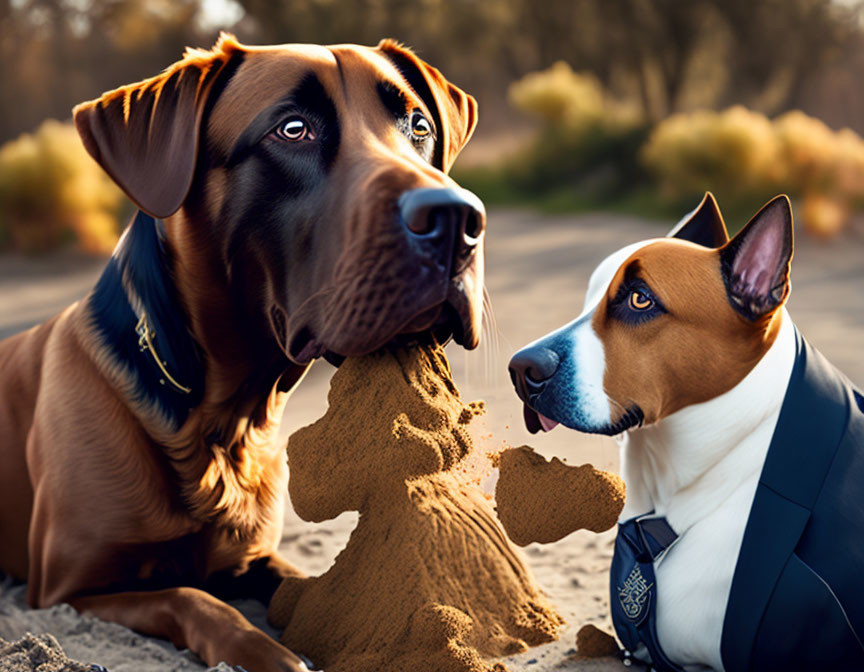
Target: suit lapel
x,y
810,426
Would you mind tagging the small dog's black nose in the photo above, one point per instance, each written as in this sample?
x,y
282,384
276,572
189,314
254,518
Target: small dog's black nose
x,y
530,368
445,220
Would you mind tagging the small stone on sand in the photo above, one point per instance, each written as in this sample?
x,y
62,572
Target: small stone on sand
x,y
592,642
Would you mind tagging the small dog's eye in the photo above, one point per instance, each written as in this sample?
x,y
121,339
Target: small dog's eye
x,y
420,126
295,129
640,300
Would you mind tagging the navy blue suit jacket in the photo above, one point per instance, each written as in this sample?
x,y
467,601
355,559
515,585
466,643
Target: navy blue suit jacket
x,y
797,596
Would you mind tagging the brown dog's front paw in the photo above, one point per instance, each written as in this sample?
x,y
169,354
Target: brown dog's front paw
x,y
259,581
302,668
254,651
280,567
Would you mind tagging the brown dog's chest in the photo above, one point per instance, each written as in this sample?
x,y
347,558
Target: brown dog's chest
x,y
225,511
173,545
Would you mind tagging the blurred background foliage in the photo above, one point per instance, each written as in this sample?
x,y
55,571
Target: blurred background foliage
x,y
633,104
53,194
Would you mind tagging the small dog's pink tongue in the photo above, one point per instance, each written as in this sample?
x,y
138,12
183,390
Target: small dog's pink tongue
x,y
547,424
534,421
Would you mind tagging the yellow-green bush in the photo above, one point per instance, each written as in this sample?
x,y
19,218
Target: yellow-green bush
x,y
53,194
558,96
849,164
744,155
734,151
593,150
816,159
575,101
584,133
806,152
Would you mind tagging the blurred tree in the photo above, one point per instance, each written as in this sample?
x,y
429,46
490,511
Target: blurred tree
x,y
766,54
61,52
788,40
657,40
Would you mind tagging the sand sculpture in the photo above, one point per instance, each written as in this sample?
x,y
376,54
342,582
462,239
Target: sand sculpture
x,y
428,580
540,501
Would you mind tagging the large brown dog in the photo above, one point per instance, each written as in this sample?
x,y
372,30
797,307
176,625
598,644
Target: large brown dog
x,y
307,212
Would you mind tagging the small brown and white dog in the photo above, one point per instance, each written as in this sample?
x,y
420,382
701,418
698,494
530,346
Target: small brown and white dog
x,y
740,546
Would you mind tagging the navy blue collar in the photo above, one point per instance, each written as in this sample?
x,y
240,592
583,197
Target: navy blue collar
x,y
810,427
140,321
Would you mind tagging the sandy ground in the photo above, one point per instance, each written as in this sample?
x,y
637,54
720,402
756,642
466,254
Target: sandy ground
x,y
537,271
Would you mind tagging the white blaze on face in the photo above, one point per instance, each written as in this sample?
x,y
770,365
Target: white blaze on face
x,y
590,365
588,351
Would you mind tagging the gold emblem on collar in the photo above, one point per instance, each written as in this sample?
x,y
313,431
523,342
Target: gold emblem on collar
x,y
145,342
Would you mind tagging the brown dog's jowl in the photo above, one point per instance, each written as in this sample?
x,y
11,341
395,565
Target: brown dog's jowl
x,y
295,204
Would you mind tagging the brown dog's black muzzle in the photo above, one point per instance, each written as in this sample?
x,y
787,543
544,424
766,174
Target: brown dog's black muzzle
x,y
443,224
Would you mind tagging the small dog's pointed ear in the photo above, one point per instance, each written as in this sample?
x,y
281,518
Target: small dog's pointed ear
x,y
145,135
755,263
454,111
704,226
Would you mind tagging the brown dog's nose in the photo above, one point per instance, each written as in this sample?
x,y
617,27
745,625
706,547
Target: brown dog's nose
x,y
444,219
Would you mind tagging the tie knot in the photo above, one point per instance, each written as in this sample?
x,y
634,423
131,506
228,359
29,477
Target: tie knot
x,y
647,537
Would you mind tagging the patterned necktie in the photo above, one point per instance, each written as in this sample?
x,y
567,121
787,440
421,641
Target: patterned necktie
x,y
633,585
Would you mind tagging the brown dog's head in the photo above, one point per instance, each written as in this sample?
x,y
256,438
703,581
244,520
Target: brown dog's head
x,y
667,323
310,184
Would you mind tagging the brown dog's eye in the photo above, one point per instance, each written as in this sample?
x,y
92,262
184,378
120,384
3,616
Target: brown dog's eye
x,y
295,129
639,300
420,126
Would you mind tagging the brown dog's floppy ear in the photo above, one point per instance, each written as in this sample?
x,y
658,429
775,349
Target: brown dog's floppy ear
x,y
145,135
704,226
755,263
454,111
